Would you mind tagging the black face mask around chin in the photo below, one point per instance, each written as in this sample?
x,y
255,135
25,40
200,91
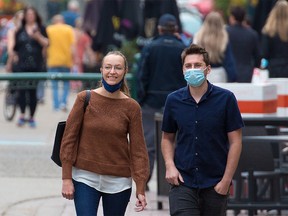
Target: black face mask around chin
x,y
112,88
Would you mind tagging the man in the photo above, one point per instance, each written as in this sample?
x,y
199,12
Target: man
x,y
208,124
60,57
72,13
245,45
159,74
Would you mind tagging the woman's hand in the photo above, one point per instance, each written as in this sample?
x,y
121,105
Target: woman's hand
x,y
68,189
140,203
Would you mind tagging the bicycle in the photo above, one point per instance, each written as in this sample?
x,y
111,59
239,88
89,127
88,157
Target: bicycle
x,y
11,97
10,103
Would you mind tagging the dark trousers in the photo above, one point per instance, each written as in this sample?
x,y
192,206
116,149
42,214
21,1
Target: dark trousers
x,y
86,200
185,201
148,120
27,96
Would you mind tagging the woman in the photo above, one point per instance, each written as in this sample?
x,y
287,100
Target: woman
x,y
275,40
111,150
214,38
29,41
14,25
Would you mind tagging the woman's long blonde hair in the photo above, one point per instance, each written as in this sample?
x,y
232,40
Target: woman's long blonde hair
x,y
277,21
124,87
213,36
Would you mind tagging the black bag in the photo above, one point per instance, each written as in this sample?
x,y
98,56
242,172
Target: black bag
x,y
59,134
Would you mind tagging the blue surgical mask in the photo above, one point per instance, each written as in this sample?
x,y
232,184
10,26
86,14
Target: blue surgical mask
x,y
194,77
112,88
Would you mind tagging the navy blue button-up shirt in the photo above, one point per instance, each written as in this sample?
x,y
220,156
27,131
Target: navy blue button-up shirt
x,y
202,141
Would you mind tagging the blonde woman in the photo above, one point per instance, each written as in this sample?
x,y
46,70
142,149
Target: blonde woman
x,y
111,150
214,38
275,40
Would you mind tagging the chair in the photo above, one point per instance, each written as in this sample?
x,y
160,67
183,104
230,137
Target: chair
x,y
257,184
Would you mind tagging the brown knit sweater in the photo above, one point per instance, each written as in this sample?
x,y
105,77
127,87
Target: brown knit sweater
x,y
111,142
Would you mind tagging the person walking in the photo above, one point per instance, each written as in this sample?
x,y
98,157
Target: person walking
x,y
214,37
103,149
12,26
86,59
202,160
274,40
72,13
28,43
60,58
158,75
245,45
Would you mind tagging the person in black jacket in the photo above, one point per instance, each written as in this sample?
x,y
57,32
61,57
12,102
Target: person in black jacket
x,y
245,45
274,40
160,73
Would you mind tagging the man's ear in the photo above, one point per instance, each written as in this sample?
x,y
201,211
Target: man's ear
x,y
208,69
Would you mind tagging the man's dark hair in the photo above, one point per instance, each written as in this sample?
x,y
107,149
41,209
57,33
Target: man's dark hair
x,y
238,13
195,49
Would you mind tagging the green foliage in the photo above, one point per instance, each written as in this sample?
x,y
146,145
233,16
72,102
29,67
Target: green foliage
x,y
129,49
224,5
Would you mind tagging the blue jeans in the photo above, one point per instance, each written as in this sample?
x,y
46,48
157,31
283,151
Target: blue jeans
x,y
41,90
185,201
59,99
86,200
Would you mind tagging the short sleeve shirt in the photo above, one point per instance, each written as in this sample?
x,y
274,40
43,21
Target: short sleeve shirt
x,y
202,133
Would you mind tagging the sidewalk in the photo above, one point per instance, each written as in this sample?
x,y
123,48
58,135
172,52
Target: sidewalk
x,y
30,181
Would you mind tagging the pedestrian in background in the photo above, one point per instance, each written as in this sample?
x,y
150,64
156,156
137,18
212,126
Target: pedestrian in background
x,y
103,149
86,59
72,13
275,40
60,58
159,74
12,26
214,38
201,161
29,41
245,45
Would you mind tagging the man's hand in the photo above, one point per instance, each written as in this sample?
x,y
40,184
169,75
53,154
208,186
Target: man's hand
x,y
173,176
222,187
